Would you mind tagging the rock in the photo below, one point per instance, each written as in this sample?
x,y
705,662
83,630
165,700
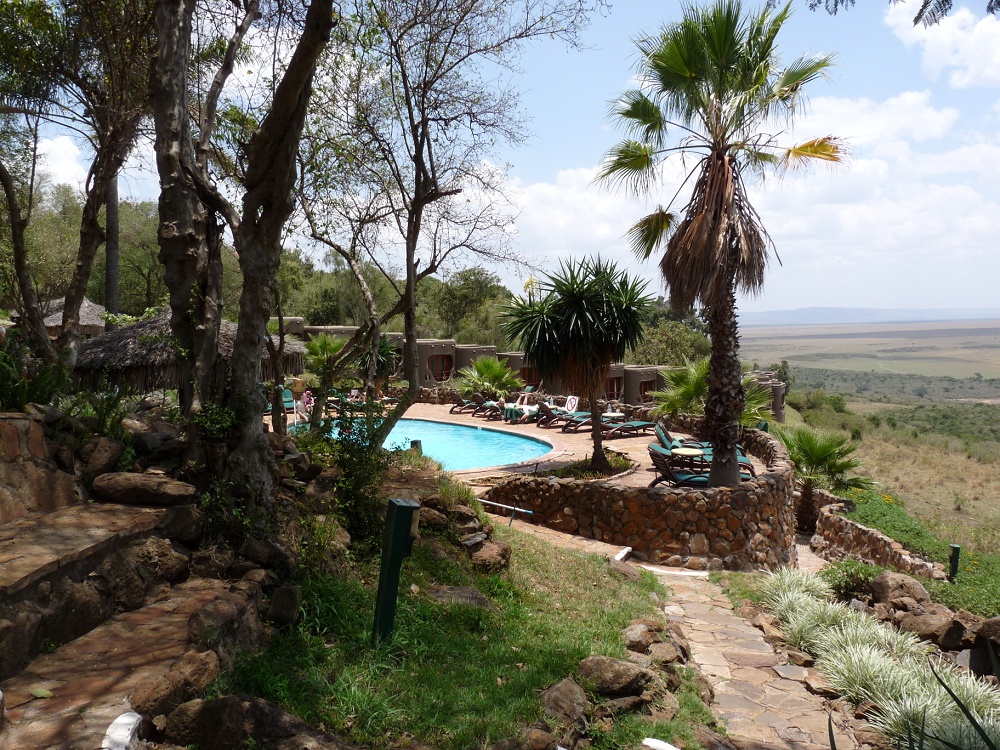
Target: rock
x,y
749,611
679,640
773,635
229,625
817,685
212,562
624,570
639,637
158,560
121,576
614,677
74,609
256,551
18,631
566,702
640,660
491,555
466,595
628,704
990,630
927,627
710,740
665,708
104,457
208,724
888,586
537,739
882,612
184,523
663,653
954,637
192,673
144,489
149,442
799,658
432,519
285,604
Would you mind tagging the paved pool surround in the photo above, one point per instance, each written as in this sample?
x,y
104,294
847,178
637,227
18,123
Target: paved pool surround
x,y
745,527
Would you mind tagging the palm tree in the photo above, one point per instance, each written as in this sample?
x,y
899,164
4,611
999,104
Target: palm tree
x,y
577,322
320,350
687,392
386,356
821,459
713,78
489,376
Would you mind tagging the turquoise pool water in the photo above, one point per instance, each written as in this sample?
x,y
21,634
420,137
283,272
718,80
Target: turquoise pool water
x,y
457,447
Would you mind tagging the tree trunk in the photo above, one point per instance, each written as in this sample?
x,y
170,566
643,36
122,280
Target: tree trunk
x,y
598,462
111,254
31,314
411,361
725,392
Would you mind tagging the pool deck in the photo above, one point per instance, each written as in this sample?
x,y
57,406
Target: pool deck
x,y
567,447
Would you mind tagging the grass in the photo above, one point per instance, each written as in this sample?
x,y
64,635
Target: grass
x,y
581,469
453,676
977,587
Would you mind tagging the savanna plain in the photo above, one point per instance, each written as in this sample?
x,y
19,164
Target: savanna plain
x,y
922,400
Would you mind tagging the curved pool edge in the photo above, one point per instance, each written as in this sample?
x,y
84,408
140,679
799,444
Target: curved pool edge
x,y
556,449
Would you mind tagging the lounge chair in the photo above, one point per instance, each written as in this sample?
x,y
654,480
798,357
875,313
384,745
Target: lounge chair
x,y
668,441
621,429
546,415
485,407
667,472
461,405
702,463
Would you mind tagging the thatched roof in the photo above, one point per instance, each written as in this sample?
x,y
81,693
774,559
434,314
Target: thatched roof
x,y
142,358
91,316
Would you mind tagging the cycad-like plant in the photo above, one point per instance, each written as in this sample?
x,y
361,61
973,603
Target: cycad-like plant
x,y
386,359
822,459
320,349
489,376
687,392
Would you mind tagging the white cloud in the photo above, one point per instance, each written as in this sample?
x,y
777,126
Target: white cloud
x,y
61,161
964,43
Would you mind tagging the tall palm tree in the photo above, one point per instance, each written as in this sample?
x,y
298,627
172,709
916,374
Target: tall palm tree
x,y
714,79
575,324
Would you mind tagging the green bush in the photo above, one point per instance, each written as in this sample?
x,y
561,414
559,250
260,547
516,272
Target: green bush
x,y
24,380
850,579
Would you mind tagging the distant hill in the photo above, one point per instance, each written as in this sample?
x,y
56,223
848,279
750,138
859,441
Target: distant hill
x,y
841,315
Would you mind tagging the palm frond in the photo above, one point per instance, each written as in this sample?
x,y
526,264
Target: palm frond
x,y
828,149
650,232
631,164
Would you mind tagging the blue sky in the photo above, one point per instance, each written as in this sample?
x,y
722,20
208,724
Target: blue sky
x,y
910,221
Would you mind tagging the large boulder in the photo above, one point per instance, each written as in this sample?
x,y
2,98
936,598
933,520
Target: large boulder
x,y
490,555
614,677
144,489
193,673
888,587
566,702
932,627
104,457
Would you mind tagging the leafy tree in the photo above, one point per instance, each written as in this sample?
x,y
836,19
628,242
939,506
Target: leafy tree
x,y
579,321
489,376
463,293
929,13
822,459
687,392
714,78
669,342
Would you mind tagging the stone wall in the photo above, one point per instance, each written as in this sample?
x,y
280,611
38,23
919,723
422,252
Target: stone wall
x,y
29,479
748,526
838,537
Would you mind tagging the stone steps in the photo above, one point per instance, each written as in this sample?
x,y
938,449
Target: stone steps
x,y
91,678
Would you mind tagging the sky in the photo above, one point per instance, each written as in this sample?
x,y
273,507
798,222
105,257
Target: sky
x,y
909,221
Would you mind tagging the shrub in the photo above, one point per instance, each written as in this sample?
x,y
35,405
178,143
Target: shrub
x,y
850,579
24,380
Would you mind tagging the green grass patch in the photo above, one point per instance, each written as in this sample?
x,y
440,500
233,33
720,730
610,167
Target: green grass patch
x,y
977,586
739,587
581,469
452,676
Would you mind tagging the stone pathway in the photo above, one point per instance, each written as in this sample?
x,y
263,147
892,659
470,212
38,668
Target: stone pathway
x,y
91,678
760,696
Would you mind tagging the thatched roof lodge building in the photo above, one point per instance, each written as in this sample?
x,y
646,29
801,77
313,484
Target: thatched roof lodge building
x,y
91,317
142,358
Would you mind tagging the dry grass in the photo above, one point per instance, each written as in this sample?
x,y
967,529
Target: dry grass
x,y
953,494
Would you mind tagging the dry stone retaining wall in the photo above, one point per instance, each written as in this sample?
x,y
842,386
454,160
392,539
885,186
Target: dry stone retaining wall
x,y
838,537
29,479
748,526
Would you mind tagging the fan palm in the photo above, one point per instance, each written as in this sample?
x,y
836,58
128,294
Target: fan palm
x,y
320,349
714,77
577,322
386,360
489,376
822,459
687,392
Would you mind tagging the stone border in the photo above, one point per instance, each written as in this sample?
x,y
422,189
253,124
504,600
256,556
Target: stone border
x,y
837,538
748,526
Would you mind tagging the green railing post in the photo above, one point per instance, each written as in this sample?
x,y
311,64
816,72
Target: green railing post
x,y
397,542
956,551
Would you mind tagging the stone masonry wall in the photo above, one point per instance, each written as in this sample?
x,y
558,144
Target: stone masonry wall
x,y
748,526
29,479
838,537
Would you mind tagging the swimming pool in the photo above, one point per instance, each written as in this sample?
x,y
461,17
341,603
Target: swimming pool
x,y
457,447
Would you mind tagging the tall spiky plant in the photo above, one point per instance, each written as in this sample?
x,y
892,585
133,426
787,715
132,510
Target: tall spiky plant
x,y
713,78
575,324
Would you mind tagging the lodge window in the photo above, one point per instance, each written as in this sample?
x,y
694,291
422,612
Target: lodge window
x,y
613,388
644,388
440,366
